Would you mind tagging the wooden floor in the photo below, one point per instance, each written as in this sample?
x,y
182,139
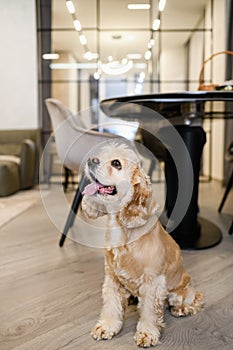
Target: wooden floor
x,y
50,297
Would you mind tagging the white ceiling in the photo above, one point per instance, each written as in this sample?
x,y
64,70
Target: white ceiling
x,y
131,27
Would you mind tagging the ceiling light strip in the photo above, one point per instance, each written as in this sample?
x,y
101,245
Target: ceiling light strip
x,y
83,39
77,25
88,65
134,56
138,6
148,55
156,24
155,27
162,4
70,6
50,56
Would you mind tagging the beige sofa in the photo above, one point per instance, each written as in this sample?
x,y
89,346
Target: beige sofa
x,y
19,159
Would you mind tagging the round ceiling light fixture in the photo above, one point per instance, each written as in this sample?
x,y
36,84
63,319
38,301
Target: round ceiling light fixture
x,y
117,67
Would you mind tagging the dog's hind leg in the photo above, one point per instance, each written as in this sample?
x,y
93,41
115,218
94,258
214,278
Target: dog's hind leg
x,y
183,300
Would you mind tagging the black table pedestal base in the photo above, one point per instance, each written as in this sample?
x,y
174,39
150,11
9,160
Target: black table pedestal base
x,y
192,232
210,235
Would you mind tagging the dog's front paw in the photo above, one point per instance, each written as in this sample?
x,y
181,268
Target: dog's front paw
x,y
146,339
102,331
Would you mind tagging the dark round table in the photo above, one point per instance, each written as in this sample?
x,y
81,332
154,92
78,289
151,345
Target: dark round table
x,y
185,111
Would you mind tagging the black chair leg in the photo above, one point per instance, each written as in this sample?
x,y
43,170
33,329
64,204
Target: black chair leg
x,y
73,211
231,229
229,185
66,182
151,169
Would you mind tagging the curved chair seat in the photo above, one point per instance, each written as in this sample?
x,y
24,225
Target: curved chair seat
x,y
73,141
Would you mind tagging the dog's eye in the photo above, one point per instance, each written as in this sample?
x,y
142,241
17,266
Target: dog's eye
x,y
116,164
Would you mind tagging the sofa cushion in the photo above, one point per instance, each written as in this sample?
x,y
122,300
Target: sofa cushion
x,y
10,158
9,177
10,148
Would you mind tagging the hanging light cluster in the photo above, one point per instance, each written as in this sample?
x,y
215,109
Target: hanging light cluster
x,y
78,27
113,67
155,27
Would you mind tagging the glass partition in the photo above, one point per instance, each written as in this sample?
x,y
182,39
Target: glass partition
x,y
105,50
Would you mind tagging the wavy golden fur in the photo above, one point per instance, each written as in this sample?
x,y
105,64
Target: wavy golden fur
x,y
141,258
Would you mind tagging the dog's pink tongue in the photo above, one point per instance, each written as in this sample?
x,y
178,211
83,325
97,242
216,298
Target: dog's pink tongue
x,y
91,189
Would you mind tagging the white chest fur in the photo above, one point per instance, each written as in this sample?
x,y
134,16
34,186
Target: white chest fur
x,y
114,235
130,276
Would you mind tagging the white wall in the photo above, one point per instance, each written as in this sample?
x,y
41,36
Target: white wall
x,y
67,93
85,91
217,67
18,65
196,47
218,75
174,57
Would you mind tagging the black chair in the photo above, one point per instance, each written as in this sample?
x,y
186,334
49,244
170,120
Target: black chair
x,y
229,158
231,229
155,146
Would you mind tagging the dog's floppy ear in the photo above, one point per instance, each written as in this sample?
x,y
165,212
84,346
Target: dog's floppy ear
x,y
92,208
142,205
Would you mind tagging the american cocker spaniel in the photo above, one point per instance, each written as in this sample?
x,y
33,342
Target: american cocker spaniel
x,y
141,258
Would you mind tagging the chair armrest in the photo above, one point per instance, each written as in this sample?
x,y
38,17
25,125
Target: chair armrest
x,y
28,164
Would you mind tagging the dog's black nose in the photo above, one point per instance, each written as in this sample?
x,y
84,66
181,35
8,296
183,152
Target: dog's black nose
x,y
93,161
